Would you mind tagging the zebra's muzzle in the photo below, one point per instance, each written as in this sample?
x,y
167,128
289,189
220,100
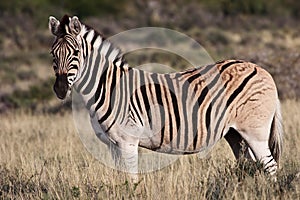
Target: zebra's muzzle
x,y
61,86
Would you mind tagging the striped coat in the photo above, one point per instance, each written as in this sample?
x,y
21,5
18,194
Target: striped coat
x,y
178,113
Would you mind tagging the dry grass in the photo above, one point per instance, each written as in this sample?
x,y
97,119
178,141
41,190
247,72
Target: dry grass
x,y
43,157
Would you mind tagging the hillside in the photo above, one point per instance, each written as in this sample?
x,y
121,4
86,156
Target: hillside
x,y
266,35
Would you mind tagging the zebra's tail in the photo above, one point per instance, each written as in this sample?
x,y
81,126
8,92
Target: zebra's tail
x,y
276,135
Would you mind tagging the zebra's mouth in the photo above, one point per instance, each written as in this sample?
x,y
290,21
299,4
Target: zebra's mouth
x,y
61,87
63,96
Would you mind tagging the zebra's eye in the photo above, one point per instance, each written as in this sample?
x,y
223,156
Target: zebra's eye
x,y
76,52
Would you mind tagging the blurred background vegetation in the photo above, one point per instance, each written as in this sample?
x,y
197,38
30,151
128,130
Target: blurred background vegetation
x,y
264,32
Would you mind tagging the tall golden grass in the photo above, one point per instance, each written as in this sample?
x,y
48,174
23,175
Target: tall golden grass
x,y
41,156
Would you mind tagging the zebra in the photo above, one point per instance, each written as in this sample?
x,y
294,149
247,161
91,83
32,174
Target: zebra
x,y
175,113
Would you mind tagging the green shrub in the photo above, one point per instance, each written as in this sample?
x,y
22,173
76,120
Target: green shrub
x,y
29,98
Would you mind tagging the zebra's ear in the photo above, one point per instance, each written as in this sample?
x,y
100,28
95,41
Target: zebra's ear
x,y
75,25
53,25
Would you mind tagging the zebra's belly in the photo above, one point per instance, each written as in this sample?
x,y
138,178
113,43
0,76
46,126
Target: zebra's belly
x,y
169,148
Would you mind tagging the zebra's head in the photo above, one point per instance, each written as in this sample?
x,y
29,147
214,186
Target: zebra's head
x,y
66,52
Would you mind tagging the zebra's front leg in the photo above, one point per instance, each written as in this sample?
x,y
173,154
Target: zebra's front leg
x,y
125,155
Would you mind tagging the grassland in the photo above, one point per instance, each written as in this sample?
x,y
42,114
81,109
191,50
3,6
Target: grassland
x,y
42,157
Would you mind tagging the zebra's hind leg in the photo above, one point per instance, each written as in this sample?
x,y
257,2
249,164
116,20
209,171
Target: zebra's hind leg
x,y
259,144
238,145
262,153
253,149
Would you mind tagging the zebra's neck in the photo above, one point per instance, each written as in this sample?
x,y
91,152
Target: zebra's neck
x,y
94,42
101,71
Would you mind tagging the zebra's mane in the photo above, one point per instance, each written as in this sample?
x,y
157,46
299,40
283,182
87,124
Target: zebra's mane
x,y
115,55
61,30
65,20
